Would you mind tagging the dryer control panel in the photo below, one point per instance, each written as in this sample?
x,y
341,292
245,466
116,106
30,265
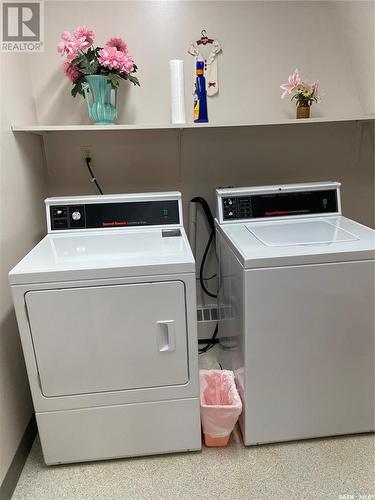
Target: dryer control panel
x,y
275,202
110,212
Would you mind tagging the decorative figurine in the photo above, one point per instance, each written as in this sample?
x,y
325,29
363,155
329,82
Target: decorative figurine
x,y
209,59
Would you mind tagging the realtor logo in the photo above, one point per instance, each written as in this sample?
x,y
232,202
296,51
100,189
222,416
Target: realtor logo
x,y
22,24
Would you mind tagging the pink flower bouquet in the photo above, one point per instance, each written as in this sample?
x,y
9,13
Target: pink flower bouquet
x,y
83,59
301,91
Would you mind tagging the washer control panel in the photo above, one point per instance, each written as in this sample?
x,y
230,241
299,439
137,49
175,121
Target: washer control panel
x,y
114,214
237,208
279,203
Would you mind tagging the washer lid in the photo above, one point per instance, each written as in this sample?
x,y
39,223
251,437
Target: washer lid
x,y
299,241
93,255
299,232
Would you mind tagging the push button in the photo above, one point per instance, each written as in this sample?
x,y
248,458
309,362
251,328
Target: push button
x,y
59,212
230,208
60,224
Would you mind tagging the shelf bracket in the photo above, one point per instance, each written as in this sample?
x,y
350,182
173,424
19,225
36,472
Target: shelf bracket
x,y
359,140
180,134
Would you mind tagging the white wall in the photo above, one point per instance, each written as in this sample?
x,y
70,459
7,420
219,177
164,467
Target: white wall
x,y
355,23
262,42
149,161
22,189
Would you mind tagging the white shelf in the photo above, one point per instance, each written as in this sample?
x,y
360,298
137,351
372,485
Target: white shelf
x,y
42,129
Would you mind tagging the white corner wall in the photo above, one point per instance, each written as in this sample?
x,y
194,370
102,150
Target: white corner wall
x,y
355,24
22,189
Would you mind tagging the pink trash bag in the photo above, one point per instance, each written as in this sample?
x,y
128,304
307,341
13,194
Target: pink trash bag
x,y
220,405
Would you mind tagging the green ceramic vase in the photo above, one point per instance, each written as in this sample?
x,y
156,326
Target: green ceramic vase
x,y
100,106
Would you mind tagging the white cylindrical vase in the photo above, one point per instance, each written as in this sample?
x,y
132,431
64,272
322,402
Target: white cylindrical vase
x,y
177,91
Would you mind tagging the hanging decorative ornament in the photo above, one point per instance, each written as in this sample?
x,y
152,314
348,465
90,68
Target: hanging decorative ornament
x,y
206,49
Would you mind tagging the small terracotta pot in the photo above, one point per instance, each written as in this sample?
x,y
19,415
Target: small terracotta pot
x,y
303,109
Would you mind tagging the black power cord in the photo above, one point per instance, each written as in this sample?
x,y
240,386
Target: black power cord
x,y
210,342
204,258
210,219
211,222
93,178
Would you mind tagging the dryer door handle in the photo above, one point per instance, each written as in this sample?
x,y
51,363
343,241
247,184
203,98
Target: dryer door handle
x,y
166,336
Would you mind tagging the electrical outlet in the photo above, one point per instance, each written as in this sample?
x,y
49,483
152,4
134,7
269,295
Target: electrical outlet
x,y
87,152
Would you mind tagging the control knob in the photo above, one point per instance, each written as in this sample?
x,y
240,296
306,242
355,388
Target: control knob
x,y
76,215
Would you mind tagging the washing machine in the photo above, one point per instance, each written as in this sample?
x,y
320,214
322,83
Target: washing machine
x,y
106,308
296,311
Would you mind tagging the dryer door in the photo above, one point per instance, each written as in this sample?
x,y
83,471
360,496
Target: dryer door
x,y
109,338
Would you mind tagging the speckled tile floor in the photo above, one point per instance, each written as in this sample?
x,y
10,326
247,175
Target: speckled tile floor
x,y
313,469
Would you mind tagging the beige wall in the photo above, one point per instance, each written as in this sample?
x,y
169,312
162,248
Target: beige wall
x,y
150,161
262,42
355,24
22,189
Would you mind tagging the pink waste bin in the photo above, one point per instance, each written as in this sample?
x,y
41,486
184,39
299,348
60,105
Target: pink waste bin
x,y
220,405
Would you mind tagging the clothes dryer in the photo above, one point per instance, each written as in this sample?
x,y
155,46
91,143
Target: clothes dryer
x,y
106,308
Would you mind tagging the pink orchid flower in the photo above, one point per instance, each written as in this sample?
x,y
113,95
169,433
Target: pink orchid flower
x,y
317,95
293,80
